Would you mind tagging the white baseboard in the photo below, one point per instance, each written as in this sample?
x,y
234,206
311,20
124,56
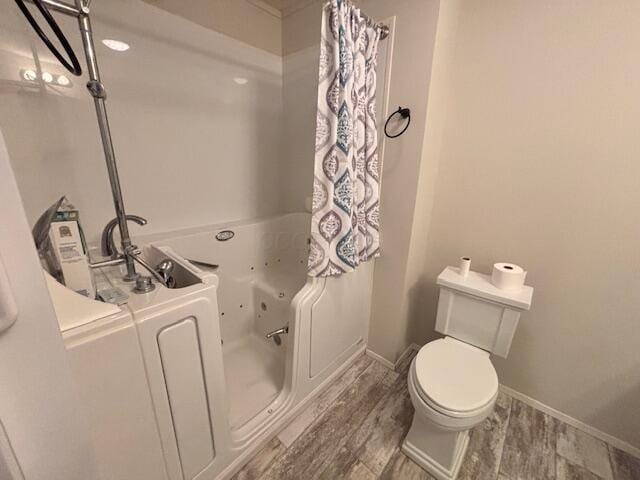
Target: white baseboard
x,y
411,348
379,358
389,364
605,437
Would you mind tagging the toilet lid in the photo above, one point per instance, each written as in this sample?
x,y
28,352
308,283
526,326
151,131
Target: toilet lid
x,y
455,376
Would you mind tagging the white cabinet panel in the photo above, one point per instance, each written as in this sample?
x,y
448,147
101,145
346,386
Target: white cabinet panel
x,y
182,366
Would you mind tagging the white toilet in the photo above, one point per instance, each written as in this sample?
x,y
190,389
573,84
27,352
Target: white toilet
x,y
452,382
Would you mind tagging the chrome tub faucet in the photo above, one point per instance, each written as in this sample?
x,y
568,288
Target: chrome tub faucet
x,y
108,245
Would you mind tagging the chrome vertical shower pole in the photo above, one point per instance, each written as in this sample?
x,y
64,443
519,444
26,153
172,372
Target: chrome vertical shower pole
x,y
99,94
96,88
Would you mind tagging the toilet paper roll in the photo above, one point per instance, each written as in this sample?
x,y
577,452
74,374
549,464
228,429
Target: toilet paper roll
x,y
465,266
508,276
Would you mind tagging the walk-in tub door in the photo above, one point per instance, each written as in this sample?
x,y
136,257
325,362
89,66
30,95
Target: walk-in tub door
x,y
340,318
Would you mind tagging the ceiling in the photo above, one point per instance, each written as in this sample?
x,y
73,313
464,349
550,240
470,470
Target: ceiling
x,y
283,4
286,7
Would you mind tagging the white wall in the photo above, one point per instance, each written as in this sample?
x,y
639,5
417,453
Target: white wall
x,y
251,21
300,102
540,166
412,315
301,27
193,146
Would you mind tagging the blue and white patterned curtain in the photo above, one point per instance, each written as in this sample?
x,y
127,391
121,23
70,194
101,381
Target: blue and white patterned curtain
x,y
346,190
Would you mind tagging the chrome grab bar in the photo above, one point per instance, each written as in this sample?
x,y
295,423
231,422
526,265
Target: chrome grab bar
x,y
280,331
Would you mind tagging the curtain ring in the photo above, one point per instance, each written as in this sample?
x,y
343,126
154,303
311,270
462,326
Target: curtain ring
x,y
404,113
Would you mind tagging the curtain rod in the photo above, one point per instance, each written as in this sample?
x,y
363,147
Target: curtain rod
x,y
384,29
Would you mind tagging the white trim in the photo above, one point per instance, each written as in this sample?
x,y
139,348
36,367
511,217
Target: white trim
x,y
605,437
383,102
411,348
389,364
379,358
296,7
267,8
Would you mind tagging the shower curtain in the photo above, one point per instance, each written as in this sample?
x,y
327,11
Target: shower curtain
x,y
346,190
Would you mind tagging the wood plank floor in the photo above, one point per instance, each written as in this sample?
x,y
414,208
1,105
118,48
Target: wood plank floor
x,y
354,429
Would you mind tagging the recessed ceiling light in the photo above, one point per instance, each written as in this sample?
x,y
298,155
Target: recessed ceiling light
x,y
62,80
241,80
29,75
116,45
47,77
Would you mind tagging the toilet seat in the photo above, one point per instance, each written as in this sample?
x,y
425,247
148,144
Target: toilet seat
x,y
455,378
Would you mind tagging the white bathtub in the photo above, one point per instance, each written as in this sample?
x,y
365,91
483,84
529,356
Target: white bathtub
x,y
261,286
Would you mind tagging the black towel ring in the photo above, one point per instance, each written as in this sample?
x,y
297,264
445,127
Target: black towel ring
x,y
404,113
72,64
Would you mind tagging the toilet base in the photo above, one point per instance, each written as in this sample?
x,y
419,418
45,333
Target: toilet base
x,y
440,452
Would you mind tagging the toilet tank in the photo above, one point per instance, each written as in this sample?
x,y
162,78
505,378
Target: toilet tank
x,y
472,310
